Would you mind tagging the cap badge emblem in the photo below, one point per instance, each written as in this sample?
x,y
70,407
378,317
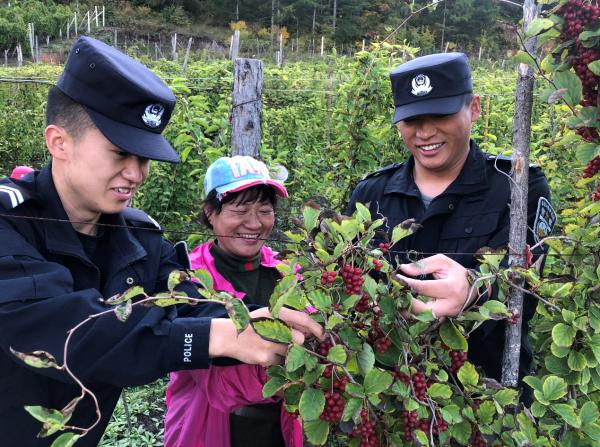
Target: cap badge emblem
x,y
421,85
152,116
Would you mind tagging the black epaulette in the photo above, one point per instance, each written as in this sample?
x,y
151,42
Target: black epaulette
x,y
504,162
383,170
138,218
12,194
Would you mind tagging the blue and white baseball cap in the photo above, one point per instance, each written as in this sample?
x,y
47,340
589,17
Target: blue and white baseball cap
x,y
232,174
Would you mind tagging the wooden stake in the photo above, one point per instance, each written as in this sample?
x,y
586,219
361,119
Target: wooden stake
x,y
187,54
247,107
235,45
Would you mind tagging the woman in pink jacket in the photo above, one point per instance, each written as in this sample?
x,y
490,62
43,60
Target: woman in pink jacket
x,y
222,406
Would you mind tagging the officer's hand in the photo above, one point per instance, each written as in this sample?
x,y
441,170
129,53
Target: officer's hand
x,y
249,347
448,290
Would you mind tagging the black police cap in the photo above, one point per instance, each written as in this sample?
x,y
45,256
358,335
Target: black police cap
x,y
128,103
431,85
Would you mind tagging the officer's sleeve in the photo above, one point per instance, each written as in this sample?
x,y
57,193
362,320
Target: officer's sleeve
x,y
38,306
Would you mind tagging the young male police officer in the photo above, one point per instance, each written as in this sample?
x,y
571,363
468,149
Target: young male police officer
x,y
67,239
458,194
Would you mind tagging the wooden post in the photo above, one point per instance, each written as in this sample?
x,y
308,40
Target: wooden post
x,y
115,39
75,20
247,107
235,45
322,44
363,45
480,51
174,47
280,48
19,55
103,11
6,58
278,58
187,54
37,51
31,36
88,22
47,41
518,200
96,15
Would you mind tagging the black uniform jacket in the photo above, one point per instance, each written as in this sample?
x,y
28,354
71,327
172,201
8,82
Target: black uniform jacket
x,y
473,212
49,285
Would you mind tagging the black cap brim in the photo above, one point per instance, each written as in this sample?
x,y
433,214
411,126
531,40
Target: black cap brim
x,y
433,106
136,141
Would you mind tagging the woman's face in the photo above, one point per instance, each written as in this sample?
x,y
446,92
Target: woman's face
x,y
241,228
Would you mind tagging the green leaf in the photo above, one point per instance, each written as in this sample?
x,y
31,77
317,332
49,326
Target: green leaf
x,y
333,321
295,358
282,292
311,217
586,152
576,361
452,337
554,388
563,335
556,365
534,382
176,277
451,414
172,298
123,311
362,213
505,397
468,375
559,351
352,408
522,57
311,404
36,359
377,381
350,338
355,389
461,432
337,355
320,300
593,431
274,330
370,285
66,440
567,413
421,437
538,26
127,295
486,412
538,410
366,358
493,309
45,414
595,67
589,413
273,385
569,81
316,431
238,313
402,230
440,390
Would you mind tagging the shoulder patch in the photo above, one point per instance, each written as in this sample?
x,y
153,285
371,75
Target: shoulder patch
x,y
138,218
12,195
381,171
545,219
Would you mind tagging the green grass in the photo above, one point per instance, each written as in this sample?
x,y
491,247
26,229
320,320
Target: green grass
x,y
146,405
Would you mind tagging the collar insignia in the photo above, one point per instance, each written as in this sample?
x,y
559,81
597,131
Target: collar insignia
x,y
152,116
421,85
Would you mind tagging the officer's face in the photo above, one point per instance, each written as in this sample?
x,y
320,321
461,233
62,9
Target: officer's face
x,y
440,143
97,176
242,227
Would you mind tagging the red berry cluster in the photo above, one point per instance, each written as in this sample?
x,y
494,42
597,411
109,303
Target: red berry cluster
x,y
596,194
363,304
334,406
377,264
353,279
366,431
404,378
592,168
324,347
457,358
384,247
578,15
328,277
377,338
419,382
410,420
478,440
411,423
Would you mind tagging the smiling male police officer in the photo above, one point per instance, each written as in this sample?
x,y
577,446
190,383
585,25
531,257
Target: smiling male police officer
x,y
454,191
68,239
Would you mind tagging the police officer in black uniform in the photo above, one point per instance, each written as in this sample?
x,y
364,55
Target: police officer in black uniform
x,y
459,194
68,239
